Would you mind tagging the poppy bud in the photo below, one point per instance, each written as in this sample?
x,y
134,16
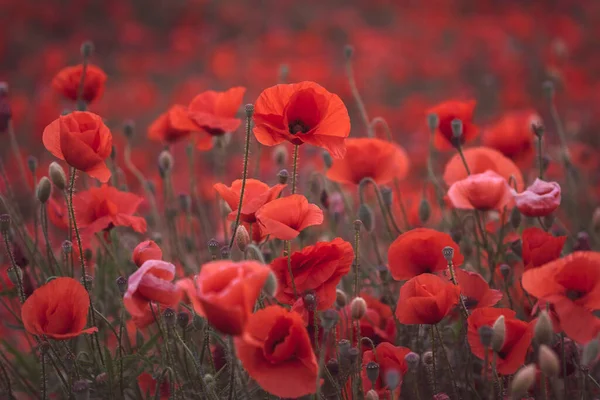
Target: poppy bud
x,y
590,353
128,128
283,176
87,48
505,271
213,248
537,129
183,319
340,298
185,203
515,218
348,51
499,333
44,189
371,395
310,301
81,390
583,242
280,155
549,89
169,317
249,110
392,379
165,161
57,175
365,215
225,253
242,238
372,369
32,163
67,247
387,196
433,121
427,358
4,224
424,211
15,275
271,285
517,247
358,308
457,128
327,159
485,336
448,253
548,361
122,284
329,319
543,332
523,381
412,361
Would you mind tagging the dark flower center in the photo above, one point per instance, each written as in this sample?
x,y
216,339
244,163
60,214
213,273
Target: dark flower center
x,y
470,302
574,294
298,126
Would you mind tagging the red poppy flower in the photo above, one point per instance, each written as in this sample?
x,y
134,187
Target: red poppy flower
x,y
285,217
426,299
147,250
389,358
539,247
147,385
256,195
104,207
572,285
317,268
189,294
82,140
449,111
369,158
175,125
58,310
475,290
151,282
215,112
512,136
419,251
487,191
227,292
539,199
67,82
517,338
277,353
302,113
479,160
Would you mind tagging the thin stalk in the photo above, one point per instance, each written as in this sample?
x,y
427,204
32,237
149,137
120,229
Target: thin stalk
x,y
17,270
433,359
450,369
232,362
15,149
356,259
295,168
288,251
540,157
356,94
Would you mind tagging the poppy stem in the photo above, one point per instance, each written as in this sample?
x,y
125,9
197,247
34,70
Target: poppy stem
x,y
357,226
434,375
288,252
232,362
462,157
540,157
15,149
564,363
295,168
17,272
463,307
198,367
81,106
445,355
49,253
249,113
385,211
355,93
44,381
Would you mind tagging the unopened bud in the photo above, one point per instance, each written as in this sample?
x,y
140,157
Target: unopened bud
x,y
392,379
424,211
523,381
387,196
427,358
271,285
213,248
242,238
329,319
327,159
485,336
283,176
170,317
225,253
44,189
122,284
590,353
499,333
371,395
505,271
543,332
32,164
372,370
412,361
348,51
343,346
87,48
457,128
365,215
4,224
67,247
433,121
128,129
515,218
448,253
340,298
249,110
310,301
57,175
280,155
537,129
548,361
358,308
165,161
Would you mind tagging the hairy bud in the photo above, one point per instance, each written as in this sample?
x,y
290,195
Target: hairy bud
x,y
57,175
271,285
548,361
499,333
365,215
523,381
358,308
242,238
283,176
543,332
44,189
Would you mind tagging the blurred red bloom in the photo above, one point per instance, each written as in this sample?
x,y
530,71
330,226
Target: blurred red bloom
x,y
58,214
539,247
479,160
370,158
256,195
539,199
426,299
486,191
215,112
151,282
419,251
227,292
147,385
101,208
302,113
475,289
175,125
82,140
449,111
512,136
277,353
572,285
317,268
517,338
68,80
58,310
389,358
286,217
146,250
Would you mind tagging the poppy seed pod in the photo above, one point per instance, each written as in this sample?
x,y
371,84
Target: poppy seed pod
x,y
67,246
170,317
548,87
372,369
523,381
433,121
44,189
548,361
457,128
283,176
57,175
310,301
4,224
213,247
499,333
424,210
122,284
128,129
249,110
271,285
387,196
505,271
358,308
183,319
348,51
427,358
537,129
365,215
543,332
412,360
225,253
327,159
448,253
242,237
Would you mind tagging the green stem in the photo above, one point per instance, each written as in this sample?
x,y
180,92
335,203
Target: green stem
x,y
540,157
295,168
356,94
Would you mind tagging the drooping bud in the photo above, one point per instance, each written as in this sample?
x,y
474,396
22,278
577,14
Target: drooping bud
x,y
515,218
271,285
387,196
340,298
433,121
499,333
590,353
165,161
329,319
327,159
122,284
486,333
358,308
87,48
242,238
424,210
543,332
372,370
283,176
44,190
448,253
457,128
523,381
57,175
548,361
365,215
